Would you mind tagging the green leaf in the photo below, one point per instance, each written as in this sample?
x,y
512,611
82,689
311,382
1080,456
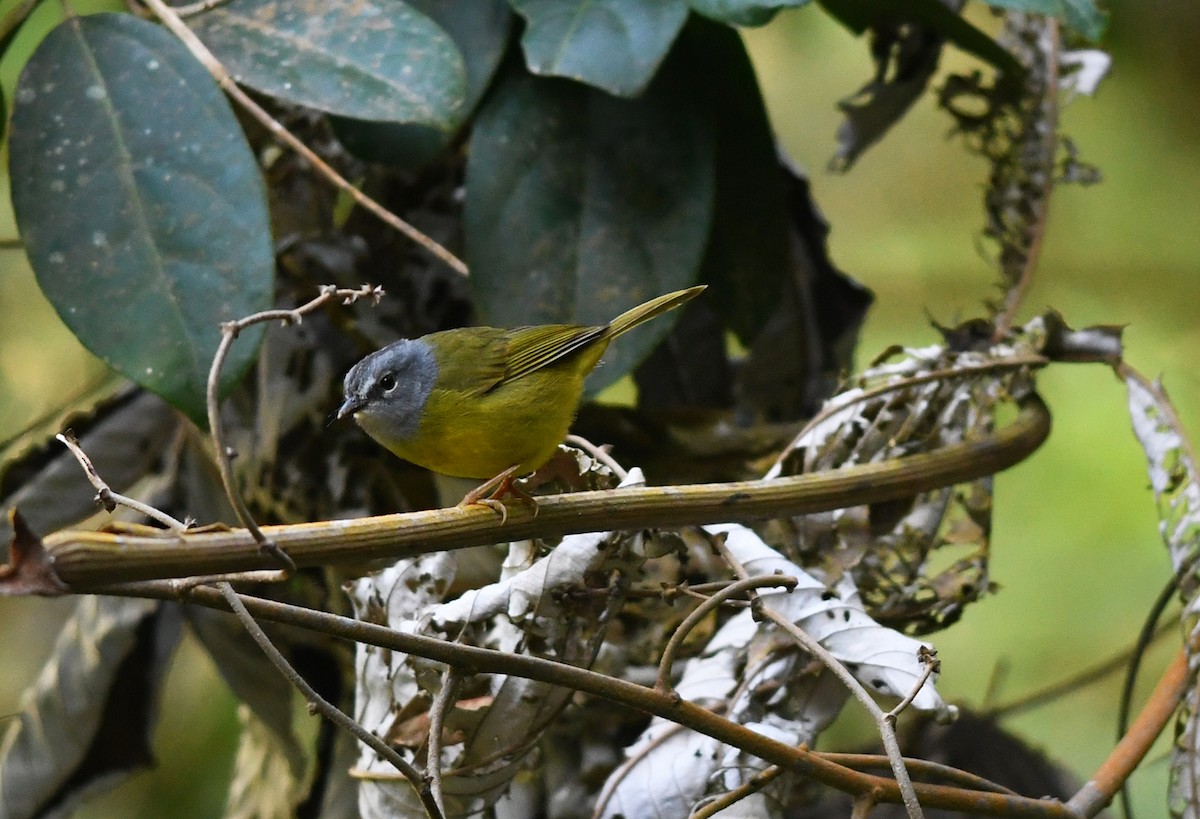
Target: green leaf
x,y
616,45
580,205
859,15
743,12
368,60
480,31
140,204
1084,16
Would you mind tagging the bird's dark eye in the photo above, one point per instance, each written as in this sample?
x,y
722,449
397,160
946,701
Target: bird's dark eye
x,y
388,382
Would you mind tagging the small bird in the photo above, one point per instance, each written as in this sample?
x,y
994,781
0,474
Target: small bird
x,y
484,402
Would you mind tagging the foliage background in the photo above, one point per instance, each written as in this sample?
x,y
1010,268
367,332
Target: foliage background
x,y
1075,547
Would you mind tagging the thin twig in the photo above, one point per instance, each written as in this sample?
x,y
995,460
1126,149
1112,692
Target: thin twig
x,y
813,647
437,714
890,745
752,785
662,681
109,499
927,769
171,20
933,665
320,705
600,453
635,758
229,333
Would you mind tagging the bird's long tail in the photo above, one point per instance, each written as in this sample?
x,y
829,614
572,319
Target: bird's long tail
x,y
655,307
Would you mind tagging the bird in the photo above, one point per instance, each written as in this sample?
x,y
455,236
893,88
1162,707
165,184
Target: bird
x,y
484,402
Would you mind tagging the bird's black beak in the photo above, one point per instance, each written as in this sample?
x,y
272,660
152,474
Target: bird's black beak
x,y
350,406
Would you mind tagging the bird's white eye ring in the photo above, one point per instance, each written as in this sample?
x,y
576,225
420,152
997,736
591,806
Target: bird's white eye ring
x,y
388,382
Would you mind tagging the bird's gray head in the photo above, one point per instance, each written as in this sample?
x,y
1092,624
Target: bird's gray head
x,y
386,391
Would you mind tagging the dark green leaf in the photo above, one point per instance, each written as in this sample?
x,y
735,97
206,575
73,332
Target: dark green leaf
x,y
743,12
139,203
616,45
749,252
368,60
580,205
859,15
480,31
1084,16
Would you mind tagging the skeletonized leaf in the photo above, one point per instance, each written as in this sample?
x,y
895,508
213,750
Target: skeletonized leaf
x,y
373,61
743,657
140,204
616,45
1173,477
85,724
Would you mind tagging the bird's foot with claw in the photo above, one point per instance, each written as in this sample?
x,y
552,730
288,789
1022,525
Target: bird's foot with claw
x,y
492,494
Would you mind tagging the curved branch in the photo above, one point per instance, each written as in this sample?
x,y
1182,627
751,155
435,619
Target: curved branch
x,y
474,660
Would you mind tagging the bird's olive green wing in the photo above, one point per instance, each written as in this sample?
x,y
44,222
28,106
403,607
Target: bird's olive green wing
x,y
531,348
471,360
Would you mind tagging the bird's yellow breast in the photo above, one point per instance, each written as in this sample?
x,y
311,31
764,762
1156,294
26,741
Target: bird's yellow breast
x,y
519,423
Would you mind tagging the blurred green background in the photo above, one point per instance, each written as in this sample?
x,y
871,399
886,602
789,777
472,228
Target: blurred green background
x,y
1076,548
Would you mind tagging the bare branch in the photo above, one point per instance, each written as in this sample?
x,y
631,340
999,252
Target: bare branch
x,y
84,559
663,681
437,715
319,705
752,785
933,665
109,499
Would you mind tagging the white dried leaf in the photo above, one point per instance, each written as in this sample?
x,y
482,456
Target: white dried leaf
x,y
672,769
1173,478
386,680
520,594
1082,71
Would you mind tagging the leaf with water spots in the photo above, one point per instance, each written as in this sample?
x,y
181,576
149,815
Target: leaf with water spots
x,y
139,203
381,61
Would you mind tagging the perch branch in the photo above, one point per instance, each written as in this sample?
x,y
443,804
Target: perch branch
x,y
82,560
